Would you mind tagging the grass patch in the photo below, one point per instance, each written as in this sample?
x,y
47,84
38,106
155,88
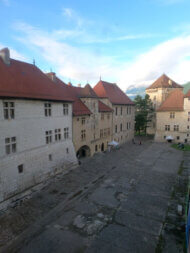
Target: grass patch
x,y
186,147
180,170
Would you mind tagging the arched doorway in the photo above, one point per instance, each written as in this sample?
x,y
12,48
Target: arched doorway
x,y
83,151
102,147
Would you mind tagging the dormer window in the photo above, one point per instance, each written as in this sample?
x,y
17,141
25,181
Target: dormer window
x,y
9,110
65,109
172,115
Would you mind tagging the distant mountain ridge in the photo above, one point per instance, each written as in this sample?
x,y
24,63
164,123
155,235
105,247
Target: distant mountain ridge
x,y
133,91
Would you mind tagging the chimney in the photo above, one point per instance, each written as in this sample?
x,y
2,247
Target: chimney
x,y
69,84
5,55
52,76
79,85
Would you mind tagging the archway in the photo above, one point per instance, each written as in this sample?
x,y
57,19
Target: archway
x,y
83,151
102,147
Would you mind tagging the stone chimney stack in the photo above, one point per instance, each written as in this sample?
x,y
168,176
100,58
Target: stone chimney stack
x,y
53,76
69,84
5,55
79,85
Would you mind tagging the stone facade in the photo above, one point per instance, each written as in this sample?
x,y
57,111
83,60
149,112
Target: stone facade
x,y
177,126
33,160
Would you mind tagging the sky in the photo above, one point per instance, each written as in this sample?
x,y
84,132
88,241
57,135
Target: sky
x,y
127,42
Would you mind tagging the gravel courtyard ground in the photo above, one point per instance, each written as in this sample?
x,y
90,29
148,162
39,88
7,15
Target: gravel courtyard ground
x,y
113,202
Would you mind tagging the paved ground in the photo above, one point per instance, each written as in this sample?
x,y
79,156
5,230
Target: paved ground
x,y
115,202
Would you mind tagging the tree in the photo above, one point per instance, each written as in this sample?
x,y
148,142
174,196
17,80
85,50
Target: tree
x,y
144,113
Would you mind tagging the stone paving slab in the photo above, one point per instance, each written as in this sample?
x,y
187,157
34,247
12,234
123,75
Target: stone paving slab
x,y
122,239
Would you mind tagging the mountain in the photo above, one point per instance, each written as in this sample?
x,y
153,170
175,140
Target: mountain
x,y
186,87
133,91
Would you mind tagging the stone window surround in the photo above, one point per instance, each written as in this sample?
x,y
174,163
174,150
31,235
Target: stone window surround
x,y
10,145
9,110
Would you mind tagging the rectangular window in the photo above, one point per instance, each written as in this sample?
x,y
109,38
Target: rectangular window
x,y
127,110
115,128
57,134
129,125
101,133
172,115
83,135
176,128
105,132
102,116
10,145
116,111
66,133
50,157
108,116
121,110
121,127
9,110
65,109
83,121
167,127
48,137
20,168
47,109
178,137
67,150
188,116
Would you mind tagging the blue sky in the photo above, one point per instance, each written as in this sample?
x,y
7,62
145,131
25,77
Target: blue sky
x,y
124,41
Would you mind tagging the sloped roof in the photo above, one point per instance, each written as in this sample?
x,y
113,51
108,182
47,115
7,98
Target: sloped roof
x,y
88,92
79,108
174,102
112,92
187,95
164,82
24,80
103,108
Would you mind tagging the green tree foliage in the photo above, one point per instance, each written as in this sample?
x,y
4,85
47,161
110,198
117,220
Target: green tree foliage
x,y
143,114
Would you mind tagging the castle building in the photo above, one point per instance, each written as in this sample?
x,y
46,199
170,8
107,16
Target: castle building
x,y
158,92
123,110
35,127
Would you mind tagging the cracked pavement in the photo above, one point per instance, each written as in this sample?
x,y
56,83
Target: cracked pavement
x,y
113,202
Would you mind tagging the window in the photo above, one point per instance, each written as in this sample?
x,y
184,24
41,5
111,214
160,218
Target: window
x,y
83,135
50,157
105,132
127,126
9,110
20,168
67,150
187,127
108,116
10,145
83,120
187,135
96,148
116,111
102,116
57,134
66,133
172,115
188,116
129,110
121,137
176,127
115,128
47,109
101,133
178,137
77,119
48,137
121,127
167,127
65,109
164,137
121,110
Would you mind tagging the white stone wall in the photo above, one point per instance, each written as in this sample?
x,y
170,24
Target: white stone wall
x,y
29,128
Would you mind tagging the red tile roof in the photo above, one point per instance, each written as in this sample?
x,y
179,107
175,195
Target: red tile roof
x,y
79,108
112,92
174,102
103,108
24,80
164,82
187,95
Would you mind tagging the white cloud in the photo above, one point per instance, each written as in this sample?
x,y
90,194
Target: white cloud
x,y
5,2
170,57
72,15
69,61
14,53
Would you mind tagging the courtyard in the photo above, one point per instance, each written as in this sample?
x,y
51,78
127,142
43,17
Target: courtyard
x,y
112,202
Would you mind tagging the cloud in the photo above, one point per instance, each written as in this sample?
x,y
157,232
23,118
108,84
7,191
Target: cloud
x,y
72,15
170,57
69,61
5,2
14,53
